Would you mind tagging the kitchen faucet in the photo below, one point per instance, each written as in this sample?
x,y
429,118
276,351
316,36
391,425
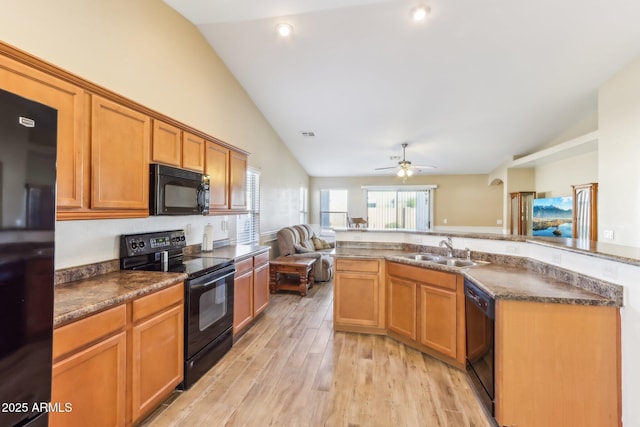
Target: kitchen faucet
x,y
449,244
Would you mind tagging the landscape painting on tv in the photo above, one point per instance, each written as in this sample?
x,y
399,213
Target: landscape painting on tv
x,y
552,217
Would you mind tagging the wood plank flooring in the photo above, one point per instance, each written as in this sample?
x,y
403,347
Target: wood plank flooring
x,y
292,369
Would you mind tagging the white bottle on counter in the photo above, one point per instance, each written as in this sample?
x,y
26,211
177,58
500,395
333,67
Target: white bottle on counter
x,y
207,238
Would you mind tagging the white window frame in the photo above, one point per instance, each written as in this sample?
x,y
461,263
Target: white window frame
x,y
429,188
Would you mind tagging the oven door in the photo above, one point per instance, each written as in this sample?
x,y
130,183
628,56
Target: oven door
x,y
209,308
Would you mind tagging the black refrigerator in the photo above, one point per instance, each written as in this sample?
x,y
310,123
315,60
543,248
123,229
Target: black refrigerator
x,y
28,137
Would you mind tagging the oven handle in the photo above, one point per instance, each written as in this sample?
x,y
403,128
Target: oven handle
x,y
210,283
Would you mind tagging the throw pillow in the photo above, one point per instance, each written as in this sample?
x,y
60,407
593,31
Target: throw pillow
x,y
320,244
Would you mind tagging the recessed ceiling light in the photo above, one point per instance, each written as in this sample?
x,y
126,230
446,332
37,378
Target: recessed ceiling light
x,y
284,29
419,13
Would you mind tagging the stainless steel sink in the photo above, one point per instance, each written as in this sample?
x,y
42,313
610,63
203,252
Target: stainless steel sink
x,y
422,257
441,260
456,262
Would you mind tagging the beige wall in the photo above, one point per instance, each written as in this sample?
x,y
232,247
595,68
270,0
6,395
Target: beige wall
x,y
619,156
555,179
464,200
147,52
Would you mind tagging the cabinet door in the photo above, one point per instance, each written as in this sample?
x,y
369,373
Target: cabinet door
x,y
402,305
356,299
260,289
157,366
217,167
238,184
438,328
93,381
242,301
72,147
120,139
167,144
193,152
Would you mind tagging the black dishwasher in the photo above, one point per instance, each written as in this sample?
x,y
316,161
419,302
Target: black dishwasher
x,y
480,316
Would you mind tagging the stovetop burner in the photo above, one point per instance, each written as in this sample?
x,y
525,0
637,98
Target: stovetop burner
x,y
162,251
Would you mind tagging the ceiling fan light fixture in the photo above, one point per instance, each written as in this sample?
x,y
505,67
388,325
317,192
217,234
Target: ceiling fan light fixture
x,y
420,12
284,29
401,173
409,172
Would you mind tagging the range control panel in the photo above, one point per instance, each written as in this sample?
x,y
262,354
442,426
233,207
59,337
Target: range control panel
x,y
148,243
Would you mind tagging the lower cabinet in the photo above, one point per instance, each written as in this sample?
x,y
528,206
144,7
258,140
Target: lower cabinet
x,y
359,295
425,309
115,367
157,342
557,364
89,371
250,290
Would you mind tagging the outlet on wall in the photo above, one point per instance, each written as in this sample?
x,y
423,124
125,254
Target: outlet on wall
x,y
609,234
499,222
444,221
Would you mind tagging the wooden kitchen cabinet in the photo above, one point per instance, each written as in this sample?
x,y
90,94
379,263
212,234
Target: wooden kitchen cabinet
x,y
166,146
71,103
251,290
359,298
238,181
425,309
89,371
120,139
227,170
117,366
157,340
260,283
217,167
242,298
557,364
192,152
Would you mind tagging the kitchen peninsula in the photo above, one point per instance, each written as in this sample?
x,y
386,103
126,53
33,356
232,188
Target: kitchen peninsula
x,y
557,331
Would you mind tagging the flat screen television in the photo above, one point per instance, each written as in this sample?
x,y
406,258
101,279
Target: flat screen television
x,y
552,217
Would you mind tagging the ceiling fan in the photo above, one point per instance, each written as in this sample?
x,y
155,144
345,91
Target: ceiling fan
x,y
405,168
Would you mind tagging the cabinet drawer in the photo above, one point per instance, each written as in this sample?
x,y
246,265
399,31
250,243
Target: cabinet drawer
x,y
244,266
150,304
362,265
423,275
260,259
83,332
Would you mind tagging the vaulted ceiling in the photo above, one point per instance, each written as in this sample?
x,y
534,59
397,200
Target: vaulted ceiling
x,y
468,88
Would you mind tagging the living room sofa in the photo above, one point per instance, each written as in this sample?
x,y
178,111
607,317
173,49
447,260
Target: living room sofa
x,y
302,242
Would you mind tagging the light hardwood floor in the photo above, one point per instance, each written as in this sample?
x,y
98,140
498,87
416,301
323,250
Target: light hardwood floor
x,y
292,369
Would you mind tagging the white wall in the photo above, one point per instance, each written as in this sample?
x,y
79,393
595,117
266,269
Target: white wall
x,y
619,209
619,156
555,179
147,52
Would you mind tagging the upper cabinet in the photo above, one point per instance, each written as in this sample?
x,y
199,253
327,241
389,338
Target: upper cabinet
x,y
166,146
106,142
192,152
227,170
71,103
120,139
174,147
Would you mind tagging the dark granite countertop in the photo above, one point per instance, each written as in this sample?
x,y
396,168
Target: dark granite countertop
x,y
81,298
513,278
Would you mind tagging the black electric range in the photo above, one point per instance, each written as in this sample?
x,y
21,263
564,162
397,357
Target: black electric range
x,y
208,322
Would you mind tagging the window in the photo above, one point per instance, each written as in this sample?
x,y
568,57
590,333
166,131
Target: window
x,y
390,207
304,202
333,208
248,229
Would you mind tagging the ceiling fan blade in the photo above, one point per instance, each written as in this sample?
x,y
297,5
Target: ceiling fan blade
x,y
422,167
390,167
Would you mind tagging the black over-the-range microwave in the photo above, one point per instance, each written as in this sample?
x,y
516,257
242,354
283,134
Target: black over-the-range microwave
x,y
174,191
